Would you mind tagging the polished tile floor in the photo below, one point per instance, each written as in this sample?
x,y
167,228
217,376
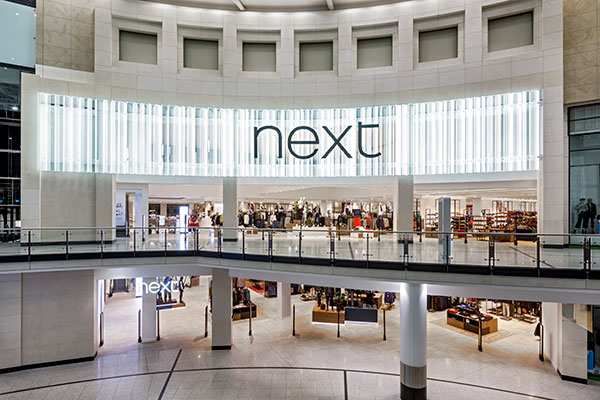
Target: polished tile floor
x,y
272,364
317,244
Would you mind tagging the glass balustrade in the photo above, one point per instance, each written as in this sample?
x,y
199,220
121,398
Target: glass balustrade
x,y
541,254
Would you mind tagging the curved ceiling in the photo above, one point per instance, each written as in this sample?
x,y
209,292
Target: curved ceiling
x,y
278,5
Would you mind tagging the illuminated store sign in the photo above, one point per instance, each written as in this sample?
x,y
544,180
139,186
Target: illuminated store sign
x,y
337,141
498,133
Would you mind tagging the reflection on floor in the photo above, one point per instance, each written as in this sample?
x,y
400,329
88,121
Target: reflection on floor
x,y
272,364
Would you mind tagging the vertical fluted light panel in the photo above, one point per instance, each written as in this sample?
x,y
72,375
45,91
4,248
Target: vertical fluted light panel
x,y
498,133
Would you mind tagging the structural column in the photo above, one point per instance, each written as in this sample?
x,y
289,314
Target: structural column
x,y
149,310
284,299
141,211
403,205
230,209
413,341
444,225
221,309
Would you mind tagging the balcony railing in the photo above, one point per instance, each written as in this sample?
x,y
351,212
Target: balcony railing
x,y
484,253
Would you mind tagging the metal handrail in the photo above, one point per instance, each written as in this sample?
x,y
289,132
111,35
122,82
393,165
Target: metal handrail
x,y
313,230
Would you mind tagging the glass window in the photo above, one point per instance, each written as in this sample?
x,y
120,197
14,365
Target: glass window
x,y
440,44
510,31
374,52
138,47
584,175
201,54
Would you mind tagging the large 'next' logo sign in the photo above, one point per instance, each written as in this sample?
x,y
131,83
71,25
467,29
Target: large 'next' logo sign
x,y
337,141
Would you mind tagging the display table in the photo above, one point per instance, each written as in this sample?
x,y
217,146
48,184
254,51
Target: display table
x,y
360,315
469,323
326,316
242,311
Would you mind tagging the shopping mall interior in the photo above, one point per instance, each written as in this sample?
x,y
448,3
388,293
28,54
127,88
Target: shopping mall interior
x,y
320,199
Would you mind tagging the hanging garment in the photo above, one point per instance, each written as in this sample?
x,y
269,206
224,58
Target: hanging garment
x,y
246,219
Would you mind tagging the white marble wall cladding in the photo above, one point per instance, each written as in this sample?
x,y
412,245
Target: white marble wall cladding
x,y
10,320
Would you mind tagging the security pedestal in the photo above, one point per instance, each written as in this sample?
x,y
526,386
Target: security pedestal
x,y
221,309
230,209
149,310
284,299
413,341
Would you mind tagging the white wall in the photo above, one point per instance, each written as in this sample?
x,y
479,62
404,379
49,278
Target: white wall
x,y
72,200
59,316
10,320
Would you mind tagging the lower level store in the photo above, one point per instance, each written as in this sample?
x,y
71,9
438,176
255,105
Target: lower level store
x,y
363,336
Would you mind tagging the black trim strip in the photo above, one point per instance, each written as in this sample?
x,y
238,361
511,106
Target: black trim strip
x,y
408,393
571,378
471,269
48,364
162,392
267,368
221,348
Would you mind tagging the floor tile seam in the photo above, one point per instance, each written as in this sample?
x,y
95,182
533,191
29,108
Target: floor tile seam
x,y
104,378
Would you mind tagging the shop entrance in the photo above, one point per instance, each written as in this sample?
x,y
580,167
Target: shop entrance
x,y
181,304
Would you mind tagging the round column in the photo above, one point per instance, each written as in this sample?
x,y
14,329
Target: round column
x,y
413,341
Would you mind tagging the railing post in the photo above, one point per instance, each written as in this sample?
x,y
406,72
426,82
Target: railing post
x,y
479,333
384,327
465,235
538,254
197,240
491,254
158,325
294,320
250,321
29,245
219,242
67,244
101,243
134,241
101,329
587,255
338,322
270,245
405,253
139,326
300,246
332,248
367,249
206,321
244,243
166,242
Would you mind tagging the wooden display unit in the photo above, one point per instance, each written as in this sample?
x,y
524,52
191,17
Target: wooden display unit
x,y
326,316
470,324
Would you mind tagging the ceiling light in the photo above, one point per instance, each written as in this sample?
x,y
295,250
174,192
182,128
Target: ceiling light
x,y
17,14
14,108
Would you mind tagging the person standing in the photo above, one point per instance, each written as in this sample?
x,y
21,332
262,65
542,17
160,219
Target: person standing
x,y
580,212
181,288
592,214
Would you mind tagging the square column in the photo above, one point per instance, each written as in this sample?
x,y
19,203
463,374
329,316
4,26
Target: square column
x,y
444,225
403,205
149,286
413,341
230,209
221,309
284,299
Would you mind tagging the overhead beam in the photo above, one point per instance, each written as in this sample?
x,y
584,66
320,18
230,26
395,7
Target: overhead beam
x,y
239,5
330,5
